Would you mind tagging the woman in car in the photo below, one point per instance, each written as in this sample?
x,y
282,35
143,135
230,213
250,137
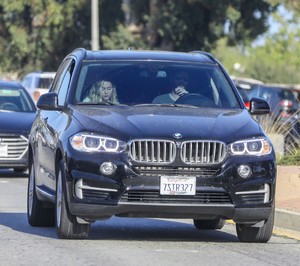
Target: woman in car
x,y
103,91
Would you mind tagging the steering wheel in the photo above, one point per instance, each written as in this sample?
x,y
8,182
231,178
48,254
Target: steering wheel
x,y
195,99
9,106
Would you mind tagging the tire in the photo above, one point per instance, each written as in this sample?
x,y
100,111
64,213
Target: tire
x,y
37,214
209,224
256,234
67,226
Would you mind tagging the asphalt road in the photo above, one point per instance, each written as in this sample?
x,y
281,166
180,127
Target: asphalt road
x,y
127,241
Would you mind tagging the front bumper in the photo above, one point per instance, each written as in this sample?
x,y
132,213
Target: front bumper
x,y
220,192
18,163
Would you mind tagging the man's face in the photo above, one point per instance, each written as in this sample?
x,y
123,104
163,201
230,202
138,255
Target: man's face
x,y
181,79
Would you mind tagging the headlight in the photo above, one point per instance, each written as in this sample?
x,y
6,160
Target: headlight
x,y
93,143
257,147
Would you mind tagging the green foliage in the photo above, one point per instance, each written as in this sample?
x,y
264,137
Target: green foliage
x,y
37,34
274,61
291,159
122,39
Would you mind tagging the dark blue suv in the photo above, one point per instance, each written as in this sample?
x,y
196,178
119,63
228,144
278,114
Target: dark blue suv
x,y
149,134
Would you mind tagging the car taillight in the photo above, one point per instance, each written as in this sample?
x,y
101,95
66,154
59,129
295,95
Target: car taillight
x,y
36,95
286,103
247,104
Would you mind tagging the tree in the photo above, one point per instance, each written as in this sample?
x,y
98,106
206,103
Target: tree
x,y
277,60
37,34
197,24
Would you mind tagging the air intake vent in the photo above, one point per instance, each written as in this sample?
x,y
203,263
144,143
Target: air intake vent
x,y
155,197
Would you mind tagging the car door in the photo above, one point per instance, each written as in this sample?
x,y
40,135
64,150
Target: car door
x,y
52,123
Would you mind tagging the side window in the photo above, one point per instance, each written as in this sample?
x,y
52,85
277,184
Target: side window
x,y
62,80
65,85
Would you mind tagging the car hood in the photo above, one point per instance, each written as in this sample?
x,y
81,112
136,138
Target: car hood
x,y
163,122
16,122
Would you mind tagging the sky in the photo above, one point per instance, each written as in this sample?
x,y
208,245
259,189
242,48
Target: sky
x,y
274,25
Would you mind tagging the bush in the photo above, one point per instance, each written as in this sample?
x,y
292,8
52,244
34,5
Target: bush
x,y
288,127
291,159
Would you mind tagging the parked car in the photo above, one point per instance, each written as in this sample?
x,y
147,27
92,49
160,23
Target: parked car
x,y
17,112
37,83
282,100
201,157
244,96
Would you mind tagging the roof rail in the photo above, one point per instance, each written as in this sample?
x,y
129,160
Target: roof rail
x,y
204,53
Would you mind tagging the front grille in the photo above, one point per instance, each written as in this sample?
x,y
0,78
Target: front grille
x,y
160,152
175,171
203,152
14,147
154,197
152,151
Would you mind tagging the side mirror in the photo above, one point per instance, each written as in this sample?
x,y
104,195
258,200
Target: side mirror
x,y
48,101
259,107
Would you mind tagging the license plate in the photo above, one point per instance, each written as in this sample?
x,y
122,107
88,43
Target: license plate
x,y
175,185
3,150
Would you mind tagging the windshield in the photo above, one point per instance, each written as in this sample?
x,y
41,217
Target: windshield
x,y
155,83
14,100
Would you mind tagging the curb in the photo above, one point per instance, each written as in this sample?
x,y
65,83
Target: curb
x,y
287,219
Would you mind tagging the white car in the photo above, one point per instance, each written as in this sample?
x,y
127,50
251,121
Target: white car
x,y
37,83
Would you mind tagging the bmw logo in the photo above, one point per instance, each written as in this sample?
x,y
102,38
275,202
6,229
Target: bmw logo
x,y
177,135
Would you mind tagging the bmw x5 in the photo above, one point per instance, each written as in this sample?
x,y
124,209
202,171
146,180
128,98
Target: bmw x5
x,y
200,157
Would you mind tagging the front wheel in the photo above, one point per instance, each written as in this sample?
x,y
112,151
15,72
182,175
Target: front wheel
x,y
256,234
37,213
67,226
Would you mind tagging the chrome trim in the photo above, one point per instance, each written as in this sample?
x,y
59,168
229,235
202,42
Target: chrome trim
x,y
154,151
17,146
265,191
79,186
201,152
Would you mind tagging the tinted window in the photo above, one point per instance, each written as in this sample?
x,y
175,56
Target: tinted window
x,y
16,100
43,83
141,82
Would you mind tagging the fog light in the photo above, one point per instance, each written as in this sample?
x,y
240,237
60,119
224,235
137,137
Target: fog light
x,y
108,168
244,171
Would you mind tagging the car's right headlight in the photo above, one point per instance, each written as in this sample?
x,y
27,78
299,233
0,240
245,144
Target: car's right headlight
x,y
87,142
257,147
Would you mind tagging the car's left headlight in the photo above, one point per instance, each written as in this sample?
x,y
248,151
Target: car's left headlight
x,y
95,143
257,147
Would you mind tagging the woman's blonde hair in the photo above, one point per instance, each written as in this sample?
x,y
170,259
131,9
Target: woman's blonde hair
x,y
95,92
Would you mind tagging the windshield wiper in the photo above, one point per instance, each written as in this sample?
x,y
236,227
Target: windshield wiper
x,y
99,103
167,105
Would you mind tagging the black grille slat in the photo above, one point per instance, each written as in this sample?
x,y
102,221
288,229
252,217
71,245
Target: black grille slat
x,y
94,194
172,171
155,197
253,198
